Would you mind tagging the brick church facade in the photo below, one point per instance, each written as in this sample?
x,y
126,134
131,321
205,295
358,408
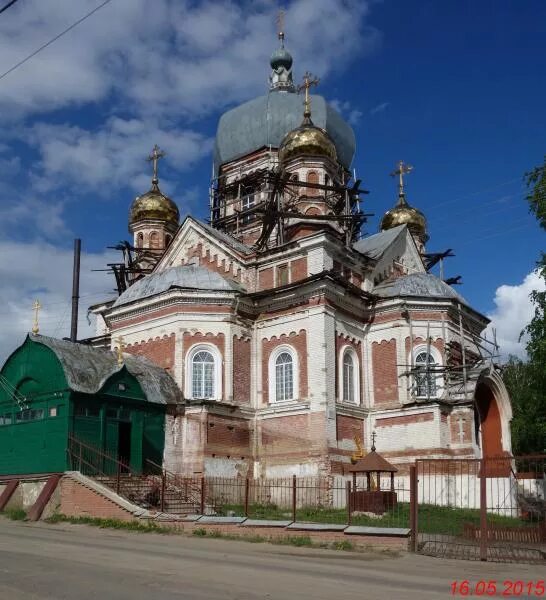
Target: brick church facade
x,y
291,336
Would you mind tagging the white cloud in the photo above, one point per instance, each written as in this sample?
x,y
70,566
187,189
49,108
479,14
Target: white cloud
x,y
39,270
179,58
514,310
379,108
111,156
344,107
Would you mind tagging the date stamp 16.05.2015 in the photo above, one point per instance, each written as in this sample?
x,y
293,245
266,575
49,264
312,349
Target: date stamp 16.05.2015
x,y
491,587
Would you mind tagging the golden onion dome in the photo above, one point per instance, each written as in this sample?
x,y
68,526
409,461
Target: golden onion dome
x,y
307,140
154,205
404,214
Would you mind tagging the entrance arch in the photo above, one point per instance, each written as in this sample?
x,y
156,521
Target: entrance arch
x,y
493,413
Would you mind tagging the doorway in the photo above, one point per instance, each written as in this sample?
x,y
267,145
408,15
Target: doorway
x,y
124,444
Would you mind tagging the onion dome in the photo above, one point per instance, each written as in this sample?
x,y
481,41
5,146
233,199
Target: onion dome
x,y
404,214
307,140
154,205
281,58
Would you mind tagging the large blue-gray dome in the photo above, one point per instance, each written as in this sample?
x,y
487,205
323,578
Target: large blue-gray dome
x,y
265,121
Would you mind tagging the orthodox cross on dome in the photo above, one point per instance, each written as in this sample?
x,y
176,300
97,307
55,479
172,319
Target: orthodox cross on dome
x,y
403,169
280,26
374,435
36,307
119,349
154,157
308,81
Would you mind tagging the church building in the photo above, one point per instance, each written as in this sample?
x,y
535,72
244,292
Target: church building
x,y
292,336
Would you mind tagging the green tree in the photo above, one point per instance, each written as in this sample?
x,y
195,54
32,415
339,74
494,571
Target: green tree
x,y
526,381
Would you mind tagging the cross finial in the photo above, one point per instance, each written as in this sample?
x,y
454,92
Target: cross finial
x,y
280,26
401,170
308,81
154,157
373,440
36,306
119,349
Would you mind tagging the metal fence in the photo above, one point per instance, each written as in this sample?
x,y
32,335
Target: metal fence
x,y
482,509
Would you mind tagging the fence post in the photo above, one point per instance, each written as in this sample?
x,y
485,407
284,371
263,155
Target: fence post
x,y
414,499
203,495
80,469
163,486
118,475
349,501
247,489
483,511
294,498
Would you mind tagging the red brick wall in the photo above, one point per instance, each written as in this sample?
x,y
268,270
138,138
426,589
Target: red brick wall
x,y
210,262
190,339
79,501
241,370
159,350
265,279
298,269
292,438
385,376
404,420
349,427
341,341
227,436
418,341
298,341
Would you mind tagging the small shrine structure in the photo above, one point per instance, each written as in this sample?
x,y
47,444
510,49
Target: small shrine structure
x,y
372,498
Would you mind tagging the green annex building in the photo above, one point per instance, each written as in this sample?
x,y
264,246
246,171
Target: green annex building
x,y
55,391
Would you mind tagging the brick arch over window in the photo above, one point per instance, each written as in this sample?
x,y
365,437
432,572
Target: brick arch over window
x,y
298,342
312,177
154,239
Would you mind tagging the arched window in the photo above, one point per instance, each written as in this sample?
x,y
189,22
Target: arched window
x,y
312,177
203,372
140,240
349,380
283,374
425,375
154,239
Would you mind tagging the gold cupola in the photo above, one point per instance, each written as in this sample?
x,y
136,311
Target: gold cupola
x,y
307,139
154,205
403,213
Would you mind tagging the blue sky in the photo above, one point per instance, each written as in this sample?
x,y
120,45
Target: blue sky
x,y
454,88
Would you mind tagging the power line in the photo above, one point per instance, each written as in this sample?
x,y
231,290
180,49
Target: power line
x,y
51,41
7,6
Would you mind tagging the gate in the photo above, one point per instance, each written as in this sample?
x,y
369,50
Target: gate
x,y
480,509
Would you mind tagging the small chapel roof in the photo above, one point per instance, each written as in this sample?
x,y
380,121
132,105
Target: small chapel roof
x,y
418,284
375,245
372,463
87,369
182,277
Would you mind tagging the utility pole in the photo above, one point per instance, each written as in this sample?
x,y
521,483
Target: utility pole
x,y
75,290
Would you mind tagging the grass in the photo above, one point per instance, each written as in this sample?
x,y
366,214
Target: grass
x,y
432,519
147,527
15,514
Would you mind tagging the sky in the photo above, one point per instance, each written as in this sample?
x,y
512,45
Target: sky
x,y
454,88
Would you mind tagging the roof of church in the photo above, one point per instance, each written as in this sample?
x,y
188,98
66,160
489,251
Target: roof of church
x,y
375,245
228,239
418,284
87,369
264,122
182,277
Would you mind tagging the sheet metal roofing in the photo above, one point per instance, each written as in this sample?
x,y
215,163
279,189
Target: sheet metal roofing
x,y
375,245
226,238
264,121
87,369
423,285
190,277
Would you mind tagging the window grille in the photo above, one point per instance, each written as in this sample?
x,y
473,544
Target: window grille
x,y
284,377
425,377
348,378
203,375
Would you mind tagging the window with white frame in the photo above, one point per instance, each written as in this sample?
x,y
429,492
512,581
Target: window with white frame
x,y
349,380
283,374
426,378
203,372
